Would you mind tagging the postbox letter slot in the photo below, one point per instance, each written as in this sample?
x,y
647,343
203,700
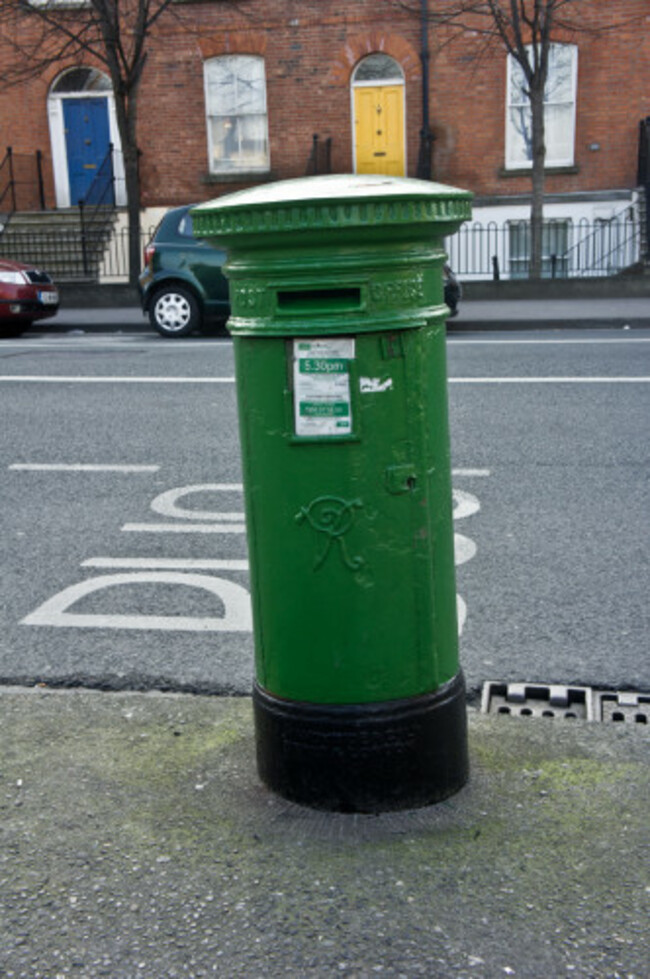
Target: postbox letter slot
x,y
312,300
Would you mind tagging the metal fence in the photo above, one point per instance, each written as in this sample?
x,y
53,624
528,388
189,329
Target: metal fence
x,y
115,260
570,249
478,251
79,252
21,182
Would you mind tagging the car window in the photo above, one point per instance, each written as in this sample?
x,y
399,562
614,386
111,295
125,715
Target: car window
x,y
185,226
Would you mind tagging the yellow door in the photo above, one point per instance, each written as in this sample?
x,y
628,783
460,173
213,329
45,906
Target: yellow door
x,y
379,129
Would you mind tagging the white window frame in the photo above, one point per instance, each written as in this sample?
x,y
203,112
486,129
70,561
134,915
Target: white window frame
x,y
218,165
59,3
555,232
514,160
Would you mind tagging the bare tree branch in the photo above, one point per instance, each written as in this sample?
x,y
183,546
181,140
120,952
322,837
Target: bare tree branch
x,y
527,31
114,34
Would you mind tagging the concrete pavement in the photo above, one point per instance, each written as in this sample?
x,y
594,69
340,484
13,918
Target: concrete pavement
x,y
137,842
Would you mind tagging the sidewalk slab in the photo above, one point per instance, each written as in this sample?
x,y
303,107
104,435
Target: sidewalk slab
x,y
533,314
474,314
137,841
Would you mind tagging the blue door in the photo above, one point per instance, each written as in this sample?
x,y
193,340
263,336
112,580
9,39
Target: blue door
x,y
86,139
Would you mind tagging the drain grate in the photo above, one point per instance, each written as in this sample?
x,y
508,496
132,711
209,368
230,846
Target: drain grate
x,y
537,700
566,702
626,707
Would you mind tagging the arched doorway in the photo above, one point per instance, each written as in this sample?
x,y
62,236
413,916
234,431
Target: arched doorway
x,y
82,121
379,117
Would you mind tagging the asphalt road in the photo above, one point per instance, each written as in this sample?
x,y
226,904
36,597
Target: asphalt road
x,y
550,457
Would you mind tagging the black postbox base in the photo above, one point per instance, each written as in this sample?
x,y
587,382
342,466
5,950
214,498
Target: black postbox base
x,y
398,754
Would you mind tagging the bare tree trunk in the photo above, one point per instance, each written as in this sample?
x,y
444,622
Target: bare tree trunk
x,y
126,112
132,179
537,201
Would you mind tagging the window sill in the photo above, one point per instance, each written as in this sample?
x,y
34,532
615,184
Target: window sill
x,y
239,177
527,171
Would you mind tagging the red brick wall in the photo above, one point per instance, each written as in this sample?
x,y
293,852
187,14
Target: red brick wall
x,y
310,49
612,96
308,57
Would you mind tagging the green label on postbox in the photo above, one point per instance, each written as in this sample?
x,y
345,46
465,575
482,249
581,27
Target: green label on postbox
x,y
323,365
321,377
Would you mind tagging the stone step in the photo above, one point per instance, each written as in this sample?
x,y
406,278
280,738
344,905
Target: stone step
x,y
56,241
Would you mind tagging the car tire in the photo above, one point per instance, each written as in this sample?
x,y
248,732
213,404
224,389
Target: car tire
x,y
174,312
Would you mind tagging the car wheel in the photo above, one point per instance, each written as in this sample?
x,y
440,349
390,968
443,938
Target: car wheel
x,y
174,312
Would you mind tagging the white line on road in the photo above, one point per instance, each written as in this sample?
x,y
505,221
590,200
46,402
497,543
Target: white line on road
x,y
549,380
90,341
80,467
470,472
34,379
188,528
505,341
55,379
170,564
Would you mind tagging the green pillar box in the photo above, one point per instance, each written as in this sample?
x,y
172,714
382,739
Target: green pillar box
x,y
338,322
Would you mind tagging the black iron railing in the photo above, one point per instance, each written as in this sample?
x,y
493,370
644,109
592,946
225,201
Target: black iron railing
x,y
7,184
58,251
96,211
21,183
571,249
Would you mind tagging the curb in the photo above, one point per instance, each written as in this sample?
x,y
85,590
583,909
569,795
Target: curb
x,y
475,326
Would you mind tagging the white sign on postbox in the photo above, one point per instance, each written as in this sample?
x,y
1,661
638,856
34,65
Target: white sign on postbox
x,y
321,379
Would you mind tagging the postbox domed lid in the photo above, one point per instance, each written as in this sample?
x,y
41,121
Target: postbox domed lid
x,y
336,186
332,201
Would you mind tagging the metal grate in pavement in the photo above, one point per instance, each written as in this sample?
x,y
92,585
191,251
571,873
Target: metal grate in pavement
x,y
537,700
571,703
623,707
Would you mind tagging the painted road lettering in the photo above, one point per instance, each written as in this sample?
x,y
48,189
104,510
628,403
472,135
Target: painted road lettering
x,y
465,505
233,598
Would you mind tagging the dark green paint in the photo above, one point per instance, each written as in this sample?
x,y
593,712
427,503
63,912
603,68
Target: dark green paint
x,y
351,537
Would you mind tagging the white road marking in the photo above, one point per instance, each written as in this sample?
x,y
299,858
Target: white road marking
x,y
189,528
465,504
36,379
167,503
461,613
170,563
464,549
80,467
549,380
56,379
115,343
235,599
565,341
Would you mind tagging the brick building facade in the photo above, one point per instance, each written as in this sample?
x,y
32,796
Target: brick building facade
x,y
234,95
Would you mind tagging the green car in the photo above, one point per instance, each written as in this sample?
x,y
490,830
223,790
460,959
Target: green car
x,y
182,287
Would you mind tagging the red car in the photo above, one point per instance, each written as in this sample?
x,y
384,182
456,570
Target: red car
x,y
26,295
